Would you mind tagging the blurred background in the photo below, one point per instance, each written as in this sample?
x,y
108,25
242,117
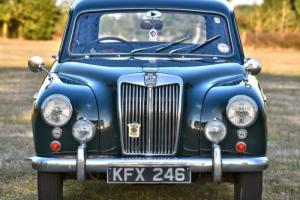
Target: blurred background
x,y
270,32
257,19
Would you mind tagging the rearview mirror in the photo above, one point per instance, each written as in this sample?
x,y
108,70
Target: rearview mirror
x,y
35,64
152,24
252,66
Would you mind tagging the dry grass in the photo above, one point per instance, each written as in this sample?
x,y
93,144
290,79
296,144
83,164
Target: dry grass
x,y
17,52
17,179
272,39
277,61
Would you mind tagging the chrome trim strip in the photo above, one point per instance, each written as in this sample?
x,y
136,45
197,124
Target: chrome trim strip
x,y
253,164
80,162
232,165
217,163
150,119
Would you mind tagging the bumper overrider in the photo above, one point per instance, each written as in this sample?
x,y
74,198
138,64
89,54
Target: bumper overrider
x,y
215,165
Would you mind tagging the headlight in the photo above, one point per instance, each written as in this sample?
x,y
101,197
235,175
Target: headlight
x,y
215,131
83,131
57,110
242,111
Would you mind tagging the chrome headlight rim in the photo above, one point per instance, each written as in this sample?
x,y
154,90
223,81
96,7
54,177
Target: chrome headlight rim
x,y
57,96
93,130
242,97
209,138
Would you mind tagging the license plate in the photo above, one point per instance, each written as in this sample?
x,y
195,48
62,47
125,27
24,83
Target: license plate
x,y
142,175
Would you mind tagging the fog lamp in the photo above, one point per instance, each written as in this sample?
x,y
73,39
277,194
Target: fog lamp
x,y
83,131
215,131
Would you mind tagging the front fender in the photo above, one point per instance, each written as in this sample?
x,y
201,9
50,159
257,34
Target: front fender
x,y
84,106
215,105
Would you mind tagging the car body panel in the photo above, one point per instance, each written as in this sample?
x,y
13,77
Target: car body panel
x,y
84,106
204,86
91,85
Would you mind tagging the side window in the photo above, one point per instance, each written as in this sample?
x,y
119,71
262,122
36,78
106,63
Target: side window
x,y
86,31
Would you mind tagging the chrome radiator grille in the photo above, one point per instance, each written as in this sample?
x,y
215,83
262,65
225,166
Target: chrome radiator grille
x,y
156,109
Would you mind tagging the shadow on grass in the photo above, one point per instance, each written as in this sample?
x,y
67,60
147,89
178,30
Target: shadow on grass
x,y
100,190
272,77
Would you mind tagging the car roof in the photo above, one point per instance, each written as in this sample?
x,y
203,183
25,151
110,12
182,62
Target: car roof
x,y
215,6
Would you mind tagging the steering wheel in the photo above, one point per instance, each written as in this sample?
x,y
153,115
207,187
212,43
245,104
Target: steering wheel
x,y
110,38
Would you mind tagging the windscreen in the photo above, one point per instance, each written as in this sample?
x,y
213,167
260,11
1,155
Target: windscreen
x,y
151,32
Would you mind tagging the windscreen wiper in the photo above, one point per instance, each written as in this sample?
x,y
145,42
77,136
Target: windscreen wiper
x,y
205,43
196,46
173,43
161,47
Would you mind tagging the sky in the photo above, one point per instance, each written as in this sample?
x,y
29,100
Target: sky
x,y
247,2
234,2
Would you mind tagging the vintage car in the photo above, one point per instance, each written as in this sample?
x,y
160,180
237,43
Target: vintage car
x,y
150,92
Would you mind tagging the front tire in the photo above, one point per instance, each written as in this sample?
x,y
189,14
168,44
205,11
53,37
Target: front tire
x,y
50,186
248,186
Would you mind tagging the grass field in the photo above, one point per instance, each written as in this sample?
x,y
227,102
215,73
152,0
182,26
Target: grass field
x,y
281,83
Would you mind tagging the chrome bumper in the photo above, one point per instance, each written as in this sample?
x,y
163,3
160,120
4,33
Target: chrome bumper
x,y
254,164
215,165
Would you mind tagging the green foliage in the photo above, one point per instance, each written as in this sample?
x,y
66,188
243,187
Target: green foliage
x,y
35,19
272,16
297,6
39,19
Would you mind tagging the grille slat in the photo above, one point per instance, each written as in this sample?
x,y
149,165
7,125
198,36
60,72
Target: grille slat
x,y
159,122
157,111
126,114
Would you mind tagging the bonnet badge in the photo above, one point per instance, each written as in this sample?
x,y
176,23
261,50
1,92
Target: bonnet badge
x,y
134,130
150,79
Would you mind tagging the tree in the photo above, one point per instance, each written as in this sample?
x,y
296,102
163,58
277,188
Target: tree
x,y
280,15
296,7
272,16
4,17
32,19
39,18
8,14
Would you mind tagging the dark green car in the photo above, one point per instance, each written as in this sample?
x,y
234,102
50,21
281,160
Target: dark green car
x,y
150,92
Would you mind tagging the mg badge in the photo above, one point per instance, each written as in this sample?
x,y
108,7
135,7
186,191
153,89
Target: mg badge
x,y
150,80
134,130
